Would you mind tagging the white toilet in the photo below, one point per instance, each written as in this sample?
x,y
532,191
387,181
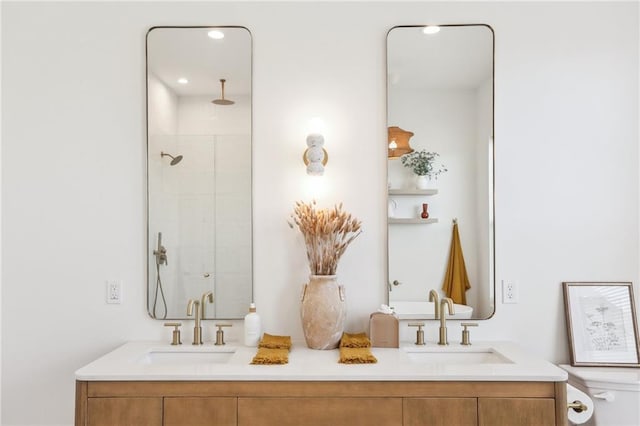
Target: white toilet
x,y
615,393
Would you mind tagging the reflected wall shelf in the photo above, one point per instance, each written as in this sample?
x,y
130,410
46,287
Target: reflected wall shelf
x,y
411,220
412,191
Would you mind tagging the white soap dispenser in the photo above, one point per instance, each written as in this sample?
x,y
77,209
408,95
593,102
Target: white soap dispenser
x,y
252,327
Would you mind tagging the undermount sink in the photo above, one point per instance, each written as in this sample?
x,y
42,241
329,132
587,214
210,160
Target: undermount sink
x,y
187,355
456,356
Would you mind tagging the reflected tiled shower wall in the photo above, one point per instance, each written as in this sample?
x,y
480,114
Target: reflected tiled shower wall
x,y
202,206
233,224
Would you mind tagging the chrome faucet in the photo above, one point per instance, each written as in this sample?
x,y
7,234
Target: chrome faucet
x,y
206,296
448,303
433,297
197,329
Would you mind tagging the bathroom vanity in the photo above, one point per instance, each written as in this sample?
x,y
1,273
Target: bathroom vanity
x,y
148,383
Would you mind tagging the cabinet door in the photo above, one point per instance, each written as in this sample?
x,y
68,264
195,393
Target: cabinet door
x,y
319,411
516,411
440,412
124,411
200,411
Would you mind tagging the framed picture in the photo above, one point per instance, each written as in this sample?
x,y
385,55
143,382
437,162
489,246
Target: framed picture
x,y
602,324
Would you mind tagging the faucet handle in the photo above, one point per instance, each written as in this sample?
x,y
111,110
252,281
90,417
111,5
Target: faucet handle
x,y
419,332
220,333
176,332
465,332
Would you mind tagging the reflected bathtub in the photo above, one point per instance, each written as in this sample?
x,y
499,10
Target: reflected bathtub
x,y
424,310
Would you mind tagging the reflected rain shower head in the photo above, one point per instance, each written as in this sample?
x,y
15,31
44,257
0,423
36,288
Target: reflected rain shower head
x,y
222,101
174,160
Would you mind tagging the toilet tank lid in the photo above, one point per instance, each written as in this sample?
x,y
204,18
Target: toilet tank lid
x,y
615,378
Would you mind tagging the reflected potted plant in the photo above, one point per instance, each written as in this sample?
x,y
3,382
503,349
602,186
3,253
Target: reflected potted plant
x,y
327,234
425,166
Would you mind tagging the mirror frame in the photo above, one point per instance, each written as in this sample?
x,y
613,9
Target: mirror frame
x,y
146,165
492,168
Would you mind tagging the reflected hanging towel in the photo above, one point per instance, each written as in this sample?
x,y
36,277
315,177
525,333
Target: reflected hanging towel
x,y
456,281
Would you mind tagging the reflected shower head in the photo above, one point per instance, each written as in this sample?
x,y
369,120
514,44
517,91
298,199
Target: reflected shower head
x,y
174,160
222,100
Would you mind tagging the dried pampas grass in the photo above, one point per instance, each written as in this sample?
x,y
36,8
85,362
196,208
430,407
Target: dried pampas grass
x,y
327,233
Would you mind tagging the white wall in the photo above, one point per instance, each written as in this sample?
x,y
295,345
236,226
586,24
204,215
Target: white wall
x,y
163,108
74,153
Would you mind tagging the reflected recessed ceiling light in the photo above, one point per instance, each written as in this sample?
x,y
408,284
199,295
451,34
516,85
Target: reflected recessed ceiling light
x,y
215,34
183,80
431,29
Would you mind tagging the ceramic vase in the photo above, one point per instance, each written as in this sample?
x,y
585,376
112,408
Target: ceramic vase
x,y
422,182
425,211
323,312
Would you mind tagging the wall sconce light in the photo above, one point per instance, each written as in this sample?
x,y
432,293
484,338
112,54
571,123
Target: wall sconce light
x,y
398,142
315,157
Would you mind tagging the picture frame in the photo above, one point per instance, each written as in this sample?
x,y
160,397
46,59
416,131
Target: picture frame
x,y
601,324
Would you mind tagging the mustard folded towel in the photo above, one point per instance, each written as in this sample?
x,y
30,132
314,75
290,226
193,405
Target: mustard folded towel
x,y
355,340
275,342
357,356
271,356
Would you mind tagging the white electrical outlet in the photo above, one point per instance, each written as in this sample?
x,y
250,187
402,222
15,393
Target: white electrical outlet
x,y
114,292
509,291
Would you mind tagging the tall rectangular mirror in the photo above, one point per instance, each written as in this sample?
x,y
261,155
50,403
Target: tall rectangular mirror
x,y
199,227
440,100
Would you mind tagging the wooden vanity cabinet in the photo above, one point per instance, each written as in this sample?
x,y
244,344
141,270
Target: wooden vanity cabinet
x,y
282,403
440,411
323,411
124,411
200,411
517,411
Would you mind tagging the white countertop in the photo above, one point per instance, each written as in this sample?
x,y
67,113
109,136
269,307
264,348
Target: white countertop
x,y
317,365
